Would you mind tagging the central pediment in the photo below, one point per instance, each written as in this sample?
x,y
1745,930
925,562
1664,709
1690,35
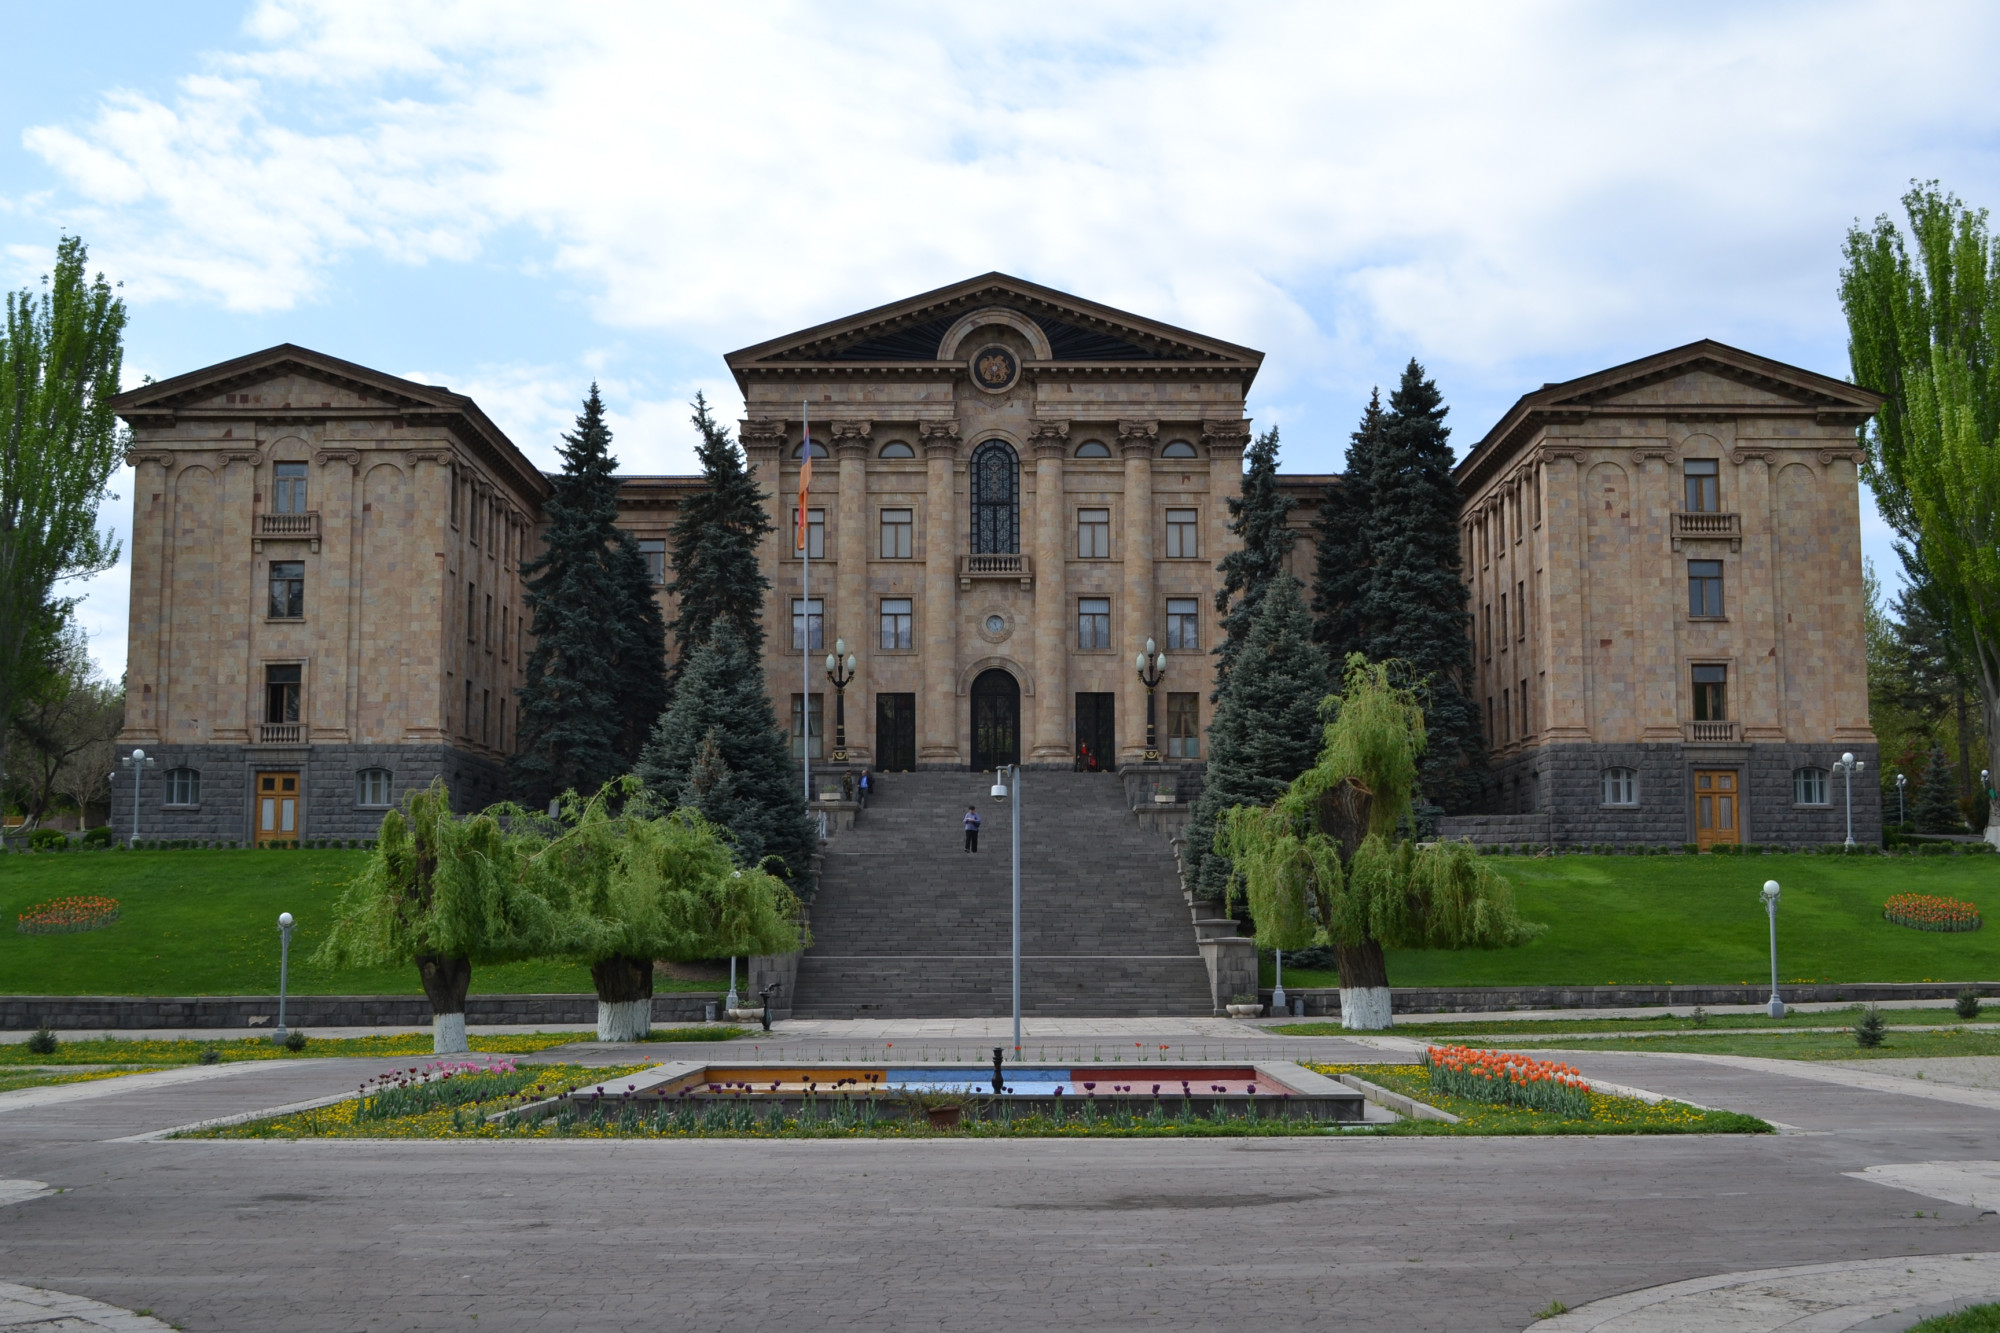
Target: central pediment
x,y
929,329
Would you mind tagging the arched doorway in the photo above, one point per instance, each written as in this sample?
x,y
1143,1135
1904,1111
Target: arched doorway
x,y
996,720
996,499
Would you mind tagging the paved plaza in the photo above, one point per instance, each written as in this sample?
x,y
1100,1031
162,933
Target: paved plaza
x,y
1871,1208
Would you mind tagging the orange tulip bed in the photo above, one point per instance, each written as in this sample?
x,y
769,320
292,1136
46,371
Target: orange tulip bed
x,y
1510,1079
64,916
1926,911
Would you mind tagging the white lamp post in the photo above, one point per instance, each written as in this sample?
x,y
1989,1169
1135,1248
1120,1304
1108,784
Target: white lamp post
x,y
1777,1007
1850,766
1902,815
1152,668
1278,989
138,763
284,964
999,793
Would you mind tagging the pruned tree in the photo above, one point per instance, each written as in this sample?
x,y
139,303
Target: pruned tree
x,y
1334,851
1923,318
61,356
444,892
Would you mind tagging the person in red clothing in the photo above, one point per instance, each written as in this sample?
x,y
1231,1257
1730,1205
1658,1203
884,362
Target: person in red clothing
x,y
971,829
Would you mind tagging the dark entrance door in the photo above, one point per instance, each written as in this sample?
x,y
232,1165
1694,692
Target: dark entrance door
x,y
896,732
996,720
1096,733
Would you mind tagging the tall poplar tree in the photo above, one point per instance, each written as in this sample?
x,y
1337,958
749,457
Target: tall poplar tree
x,y
1342,564
1266,729
596,680
1414,610
716,575
1257,516
1924,331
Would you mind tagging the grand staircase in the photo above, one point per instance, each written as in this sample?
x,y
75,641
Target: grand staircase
x,y
908,925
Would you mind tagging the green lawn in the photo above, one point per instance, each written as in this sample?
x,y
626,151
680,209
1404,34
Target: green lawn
x,y
1691,920
1536,1028
1782,1045
206,923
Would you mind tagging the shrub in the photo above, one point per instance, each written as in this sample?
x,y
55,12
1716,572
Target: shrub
x,y
48,840
43,1041
98,837
210,1054
1868,1032
1689,848
295,1040
1967,1004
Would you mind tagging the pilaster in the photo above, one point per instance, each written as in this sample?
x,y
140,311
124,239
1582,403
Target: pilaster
x,y
1050,441
937,719
1138,441
853,441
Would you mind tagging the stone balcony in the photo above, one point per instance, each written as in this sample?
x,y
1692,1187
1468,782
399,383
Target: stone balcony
x,y
281,733
1712,733
287,527
1708,527
1008,566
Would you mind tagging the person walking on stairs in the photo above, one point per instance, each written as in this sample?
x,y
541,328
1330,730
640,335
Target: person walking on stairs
x,y
971,829
865,785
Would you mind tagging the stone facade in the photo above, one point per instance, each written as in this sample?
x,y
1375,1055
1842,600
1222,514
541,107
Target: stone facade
x,y
1665,569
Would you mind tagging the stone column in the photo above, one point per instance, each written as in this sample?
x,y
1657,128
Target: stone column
x,y
1226,439
765,444
1051,553
1134,621
1754,615
152,531
1658,604
937,715
849,619
336,493
1565,620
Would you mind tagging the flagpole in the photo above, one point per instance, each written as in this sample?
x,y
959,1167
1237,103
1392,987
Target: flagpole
x,y
805,609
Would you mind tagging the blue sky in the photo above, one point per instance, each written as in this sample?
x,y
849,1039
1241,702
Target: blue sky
x,y
513,199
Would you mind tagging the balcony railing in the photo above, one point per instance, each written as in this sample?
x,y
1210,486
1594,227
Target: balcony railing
x,y
1711,731
1708,527
288,525
1002,566
281,733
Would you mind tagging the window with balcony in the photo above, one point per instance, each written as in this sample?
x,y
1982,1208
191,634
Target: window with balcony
x,y
183,786
897,622
1093,623
1705,589
1183,624
899,528
1711,694
1093,534
1809,786
808,624
288,589
288,488
371,787
1183,529
281,694
655,556
1702,486
1621,786
1184,725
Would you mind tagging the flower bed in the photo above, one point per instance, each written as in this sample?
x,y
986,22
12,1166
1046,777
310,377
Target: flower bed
x,y
1927,911
1512,1079
66,916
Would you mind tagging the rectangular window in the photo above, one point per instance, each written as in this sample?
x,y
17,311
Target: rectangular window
x,y
808,733
288,488
1809,786
288,589
454,498
472,515
371,786
1093,534
1704,588
1489,719
1506,718
1182,527
1486,632
489,622
467,715
472,613
1093,622
1711,694
898,528
281,692
896,623
655,554
1184,725
1521,610
183,786
1621,786
1526,730
815,534
485,711
1183,620
1503,622
501,738
1698,475
808,623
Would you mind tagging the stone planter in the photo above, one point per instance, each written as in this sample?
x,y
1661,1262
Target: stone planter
x,y
747,1015
1246,1010
945,1117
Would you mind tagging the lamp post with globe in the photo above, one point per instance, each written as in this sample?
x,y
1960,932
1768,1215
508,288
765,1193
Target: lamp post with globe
x,y
1850,766
1152,668
138,761
1770,895
840,673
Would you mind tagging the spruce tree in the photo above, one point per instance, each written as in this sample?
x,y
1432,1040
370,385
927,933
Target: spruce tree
x,y
719,750
716,575
596,680
1266,729
1415,606
1257,516
1936,810
1342,566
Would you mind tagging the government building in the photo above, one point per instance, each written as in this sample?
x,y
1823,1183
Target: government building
x,y
1013,490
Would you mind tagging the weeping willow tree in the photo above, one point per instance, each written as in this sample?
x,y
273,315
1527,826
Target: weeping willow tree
x,y
631,888
1332,859
444,892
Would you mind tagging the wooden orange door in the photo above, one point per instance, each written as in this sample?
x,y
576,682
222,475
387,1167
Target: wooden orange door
x,y
277,807
1715,808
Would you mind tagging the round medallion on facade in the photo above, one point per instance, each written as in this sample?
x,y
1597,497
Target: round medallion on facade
x,y
995,368
995,628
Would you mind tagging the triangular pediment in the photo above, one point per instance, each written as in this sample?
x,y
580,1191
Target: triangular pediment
x,y
1704,387
286,378
917,329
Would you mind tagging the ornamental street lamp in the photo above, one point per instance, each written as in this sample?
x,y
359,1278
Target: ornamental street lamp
x,y
1278,990
1777,1006
1152,668
840,671
138,763
1850,766
284,964
1902,815
1001,777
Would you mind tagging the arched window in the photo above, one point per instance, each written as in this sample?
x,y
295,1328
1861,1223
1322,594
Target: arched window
x,y
183,786
897,449
819,450
996,499
1093,449
1809,786
1178,449
1621,786
371,786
